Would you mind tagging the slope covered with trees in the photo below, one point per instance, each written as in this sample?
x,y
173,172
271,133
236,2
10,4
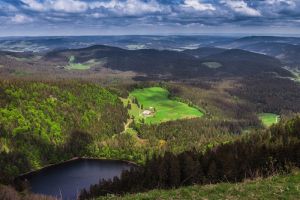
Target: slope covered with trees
x,y
258,154
42,123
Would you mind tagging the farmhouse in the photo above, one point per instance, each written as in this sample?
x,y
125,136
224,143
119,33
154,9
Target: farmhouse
x,y
147,112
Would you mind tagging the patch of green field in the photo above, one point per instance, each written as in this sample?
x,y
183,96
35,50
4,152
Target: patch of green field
x,y
21,73
135,47
165,109
269,118
277,187
78,66
212,65
295,72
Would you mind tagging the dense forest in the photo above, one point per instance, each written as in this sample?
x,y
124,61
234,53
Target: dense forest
x,y
270,94
259,154
46,122
42,123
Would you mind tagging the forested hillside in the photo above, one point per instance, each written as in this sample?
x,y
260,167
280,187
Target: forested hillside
x,y
258,154
42,123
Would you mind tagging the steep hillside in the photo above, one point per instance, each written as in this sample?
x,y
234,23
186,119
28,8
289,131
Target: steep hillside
x,y
276,187
42,123
260,154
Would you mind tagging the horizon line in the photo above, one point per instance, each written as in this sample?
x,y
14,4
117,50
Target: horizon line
x,y
162,34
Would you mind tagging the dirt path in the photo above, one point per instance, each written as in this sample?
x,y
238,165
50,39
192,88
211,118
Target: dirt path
x,y
126,126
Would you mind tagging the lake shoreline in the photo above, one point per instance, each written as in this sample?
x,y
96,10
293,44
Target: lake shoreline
x,y
32,172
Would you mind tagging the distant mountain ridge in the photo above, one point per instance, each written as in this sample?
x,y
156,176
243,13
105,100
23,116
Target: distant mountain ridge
x,y
174,42
287,49
188,63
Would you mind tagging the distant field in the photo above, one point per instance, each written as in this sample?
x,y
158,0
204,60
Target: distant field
x,y
77,66
277,187
165,109
212,65
295,72
269,118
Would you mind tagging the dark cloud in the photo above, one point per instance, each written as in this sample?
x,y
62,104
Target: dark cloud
x,y
135,13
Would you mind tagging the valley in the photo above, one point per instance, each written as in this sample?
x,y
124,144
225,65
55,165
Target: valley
x,y
227,115
149,99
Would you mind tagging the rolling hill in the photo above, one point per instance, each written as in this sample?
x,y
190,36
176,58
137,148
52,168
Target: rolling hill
x,y
285,49
189,63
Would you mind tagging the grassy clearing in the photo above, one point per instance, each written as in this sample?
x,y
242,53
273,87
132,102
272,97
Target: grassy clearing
x,y
212,65
295,72
134,47
276,187
165,109
79,66
269,118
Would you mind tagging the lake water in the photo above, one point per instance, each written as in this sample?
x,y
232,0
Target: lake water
x,y
67,179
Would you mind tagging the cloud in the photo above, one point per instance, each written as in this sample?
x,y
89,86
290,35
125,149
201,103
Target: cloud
x,y
151,13
197,5
71,6
68,5
129,7
280,7
34,5
21,19
7,7
241,7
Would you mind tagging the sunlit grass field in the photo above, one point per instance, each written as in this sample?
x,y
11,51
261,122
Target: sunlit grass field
x,y
269,119
166,109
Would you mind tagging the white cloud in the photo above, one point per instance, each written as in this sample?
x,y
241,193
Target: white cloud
x,y
198,5
241,7
97,15
21,19
129,7
68,5
71,6
34,5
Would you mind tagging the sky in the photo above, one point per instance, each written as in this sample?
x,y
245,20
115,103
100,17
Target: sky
x,y
151,17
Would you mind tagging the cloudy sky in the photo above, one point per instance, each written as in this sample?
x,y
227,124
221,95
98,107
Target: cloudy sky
x,y
94,17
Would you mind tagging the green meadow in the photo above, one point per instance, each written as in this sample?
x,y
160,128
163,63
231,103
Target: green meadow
x,y
164,109
269,119
78,66
212,65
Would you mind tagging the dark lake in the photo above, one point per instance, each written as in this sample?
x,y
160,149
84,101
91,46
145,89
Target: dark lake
x,y
67,179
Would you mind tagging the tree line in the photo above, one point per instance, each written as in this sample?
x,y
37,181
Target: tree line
x,y
260,154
